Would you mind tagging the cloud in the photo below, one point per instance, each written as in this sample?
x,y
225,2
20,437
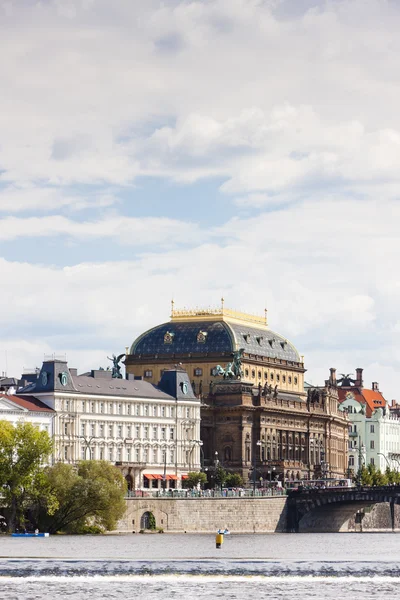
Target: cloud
x,y
29,199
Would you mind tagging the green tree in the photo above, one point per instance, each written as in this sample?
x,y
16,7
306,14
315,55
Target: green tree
x,y
220,476
91,494
366,477
23,450
194,478
234,480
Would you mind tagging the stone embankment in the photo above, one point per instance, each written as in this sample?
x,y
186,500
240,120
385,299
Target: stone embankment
x,y
206,515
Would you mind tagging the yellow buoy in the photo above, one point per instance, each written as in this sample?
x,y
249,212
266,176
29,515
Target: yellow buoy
x,y
219,540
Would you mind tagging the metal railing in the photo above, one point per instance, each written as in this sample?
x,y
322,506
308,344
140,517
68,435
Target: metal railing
x,y
224,493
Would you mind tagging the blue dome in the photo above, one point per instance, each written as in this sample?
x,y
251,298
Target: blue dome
x,y
217,337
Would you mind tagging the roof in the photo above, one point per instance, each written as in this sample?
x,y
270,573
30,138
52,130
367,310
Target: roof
x,y
29,403
372,399
118,387
217,337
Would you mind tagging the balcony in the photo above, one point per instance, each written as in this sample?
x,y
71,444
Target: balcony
x,y
353,434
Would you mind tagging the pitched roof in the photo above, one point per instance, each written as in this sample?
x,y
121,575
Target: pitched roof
x,y
372,399
31,403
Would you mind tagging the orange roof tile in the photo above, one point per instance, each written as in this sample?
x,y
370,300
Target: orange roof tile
x,y
31,403
371,398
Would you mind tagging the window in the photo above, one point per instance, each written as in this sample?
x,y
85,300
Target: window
x,y
145,455
198,372
137,455
93,429
111,408
146,410
355,429
246,372
187,413
265,374
83,406
154,433
272,376
66,452
101,453
253,373
83,449
65,428
110,431
155,456
128,409
128,454
148,373
351,461
171,433
110,454
154,411
295,381
129,431
120,431
163,429
119,454
277,377
102,408
92,407
349,409
289,379
283,378
137,410
163,411
83,428
137,428
120,409
172,457
146,432
172,411
67,405
101,429
372,461
372,428
372,445
259,374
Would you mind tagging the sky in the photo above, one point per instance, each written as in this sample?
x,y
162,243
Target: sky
x,y
196,149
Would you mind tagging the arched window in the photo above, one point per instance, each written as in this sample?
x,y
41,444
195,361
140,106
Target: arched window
x,y
228,453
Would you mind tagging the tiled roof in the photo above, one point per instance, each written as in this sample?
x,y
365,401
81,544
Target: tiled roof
x,y
31,403
118,387
373,399
216,337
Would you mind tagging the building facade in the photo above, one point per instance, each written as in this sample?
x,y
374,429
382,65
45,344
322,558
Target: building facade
x,y
152,433
261,424
374,431
15,409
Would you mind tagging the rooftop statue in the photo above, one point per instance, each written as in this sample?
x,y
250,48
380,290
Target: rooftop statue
x,y
233,369
346,380
116,370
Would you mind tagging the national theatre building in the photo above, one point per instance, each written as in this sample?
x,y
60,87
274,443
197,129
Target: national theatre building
x,y
256,416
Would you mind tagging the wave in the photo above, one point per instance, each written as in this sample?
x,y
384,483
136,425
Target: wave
x,y
44,569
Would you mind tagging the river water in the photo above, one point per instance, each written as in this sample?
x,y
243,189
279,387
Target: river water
x,y
177,566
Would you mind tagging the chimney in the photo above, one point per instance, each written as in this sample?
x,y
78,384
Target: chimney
x,y
375,386
359,379
333,377
393,403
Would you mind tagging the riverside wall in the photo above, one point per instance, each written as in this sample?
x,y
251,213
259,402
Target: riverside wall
x,y
206,515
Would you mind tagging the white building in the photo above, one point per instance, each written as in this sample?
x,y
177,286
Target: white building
x,y
374,438
25,410
151,432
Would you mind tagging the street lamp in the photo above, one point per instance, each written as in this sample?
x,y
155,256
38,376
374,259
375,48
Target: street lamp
x,y
387,462
361,452
258,443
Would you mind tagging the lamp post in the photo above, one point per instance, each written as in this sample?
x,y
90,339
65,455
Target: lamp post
x,y
258,443
361,452
387,462
87,442
164,479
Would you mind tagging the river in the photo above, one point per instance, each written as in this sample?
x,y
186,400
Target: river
x,y
177,566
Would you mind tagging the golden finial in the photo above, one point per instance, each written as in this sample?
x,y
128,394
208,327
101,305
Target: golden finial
x,y
266,315
222,303
172,307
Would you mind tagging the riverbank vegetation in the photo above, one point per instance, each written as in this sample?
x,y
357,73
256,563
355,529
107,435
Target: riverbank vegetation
x,y
85,498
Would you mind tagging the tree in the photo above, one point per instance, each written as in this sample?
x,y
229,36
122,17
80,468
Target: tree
x,y
91,494
234,480
23,450
195,478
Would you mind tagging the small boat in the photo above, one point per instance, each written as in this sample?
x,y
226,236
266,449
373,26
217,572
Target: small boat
x,y
33,535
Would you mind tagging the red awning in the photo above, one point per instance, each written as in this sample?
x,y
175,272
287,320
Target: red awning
x,y
148,476
172,477
185,476
152,476
157,477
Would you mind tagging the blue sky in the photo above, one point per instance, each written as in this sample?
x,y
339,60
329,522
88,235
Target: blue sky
x,y
194,149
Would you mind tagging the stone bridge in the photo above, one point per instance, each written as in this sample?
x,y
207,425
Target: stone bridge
x,y
330,509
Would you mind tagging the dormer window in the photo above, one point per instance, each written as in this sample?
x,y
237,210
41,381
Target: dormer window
x,y
283,344
169,337
259,339
202,337
271,342
246,337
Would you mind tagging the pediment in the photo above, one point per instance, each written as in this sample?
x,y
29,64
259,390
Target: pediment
x,y
6,404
